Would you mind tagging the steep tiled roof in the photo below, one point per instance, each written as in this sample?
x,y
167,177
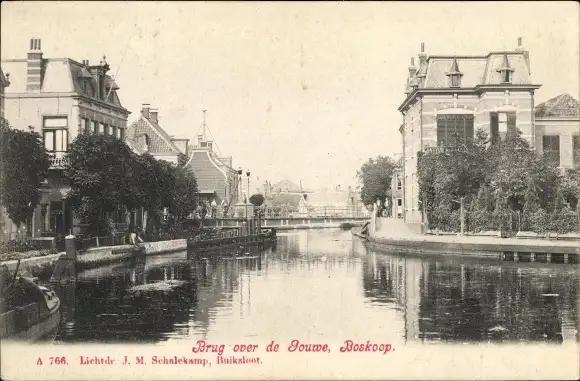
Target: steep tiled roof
x,y
61,75
159,142
564,105
477,70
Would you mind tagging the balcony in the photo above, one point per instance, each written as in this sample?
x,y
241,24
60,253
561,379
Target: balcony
x,y
444,149
58,162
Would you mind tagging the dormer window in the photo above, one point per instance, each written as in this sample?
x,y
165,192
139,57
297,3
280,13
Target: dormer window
x,y
454,74
505,70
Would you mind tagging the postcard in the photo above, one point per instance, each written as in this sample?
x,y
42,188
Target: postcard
x,y
289,190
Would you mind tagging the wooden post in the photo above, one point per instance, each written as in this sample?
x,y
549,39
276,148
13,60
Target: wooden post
x,y
566,258
516,257
548,257
462,214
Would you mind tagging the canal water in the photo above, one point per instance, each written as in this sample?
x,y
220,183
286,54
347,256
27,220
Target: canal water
x,y
317,285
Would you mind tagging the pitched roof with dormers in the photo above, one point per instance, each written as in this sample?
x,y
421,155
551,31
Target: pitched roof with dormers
x,y
160,143
477,70
60,75
562,106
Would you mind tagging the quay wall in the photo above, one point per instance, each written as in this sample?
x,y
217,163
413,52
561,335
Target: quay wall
x,y
474,247
97,256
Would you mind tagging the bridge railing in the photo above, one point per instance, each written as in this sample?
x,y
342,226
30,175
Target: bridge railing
x,y
315,212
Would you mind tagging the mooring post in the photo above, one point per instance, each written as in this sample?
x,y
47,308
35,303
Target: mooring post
x,y
516,258
565,258
70,247
549,257
532,257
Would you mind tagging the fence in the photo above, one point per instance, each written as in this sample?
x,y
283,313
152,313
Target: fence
x,y
84,244
216,234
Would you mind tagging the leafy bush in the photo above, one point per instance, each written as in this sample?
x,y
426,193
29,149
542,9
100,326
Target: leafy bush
x,y
564,221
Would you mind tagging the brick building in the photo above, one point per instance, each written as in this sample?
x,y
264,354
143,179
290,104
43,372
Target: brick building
x,y
450,97
59,98
145,135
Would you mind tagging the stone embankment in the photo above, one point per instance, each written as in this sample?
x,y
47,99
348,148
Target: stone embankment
x,y
97,256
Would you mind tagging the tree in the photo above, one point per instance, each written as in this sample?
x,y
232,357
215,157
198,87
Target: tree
x,y
257,199
102,175
185,196
24,165
531,205
376,175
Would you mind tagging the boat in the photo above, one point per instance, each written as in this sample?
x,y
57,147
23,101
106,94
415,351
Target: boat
x,y
28,311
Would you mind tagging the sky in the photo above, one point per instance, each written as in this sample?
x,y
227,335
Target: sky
x,y
293,91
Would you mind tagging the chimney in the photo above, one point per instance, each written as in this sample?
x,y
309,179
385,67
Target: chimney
x,y
34,66
422,72
154,115
145,110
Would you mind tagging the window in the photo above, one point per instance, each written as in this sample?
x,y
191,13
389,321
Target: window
x,y
85,126
576,149
551,147
110,130
399,183
95,127
453,130
455,80
102,128
121,132
500,123
506,74
115,131
56,141
55,135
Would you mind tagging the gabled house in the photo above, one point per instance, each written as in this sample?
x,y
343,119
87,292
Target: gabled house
x,y
145,135
216,178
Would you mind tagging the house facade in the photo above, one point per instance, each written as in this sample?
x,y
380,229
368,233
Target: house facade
x,y
59,98
216,178
557,130
450,97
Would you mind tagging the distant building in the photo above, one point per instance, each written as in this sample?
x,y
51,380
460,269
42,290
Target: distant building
x,y
397,194
450,97
216,178
145,135
558,130
59,98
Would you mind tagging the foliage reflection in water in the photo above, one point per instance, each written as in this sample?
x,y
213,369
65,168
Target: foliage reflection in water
x,y
320,285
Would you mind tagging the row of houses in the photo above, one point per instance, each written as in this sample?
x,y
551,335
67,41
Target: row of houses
x,y
452,96
61,98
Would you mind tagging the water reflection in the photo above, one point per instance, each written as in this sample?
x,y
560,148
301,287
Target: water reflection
x,y
465,302
319,284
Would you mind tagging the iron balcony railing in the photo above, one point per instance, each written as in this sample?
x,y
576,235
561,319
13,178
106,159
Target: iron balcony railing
x,y
58,162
